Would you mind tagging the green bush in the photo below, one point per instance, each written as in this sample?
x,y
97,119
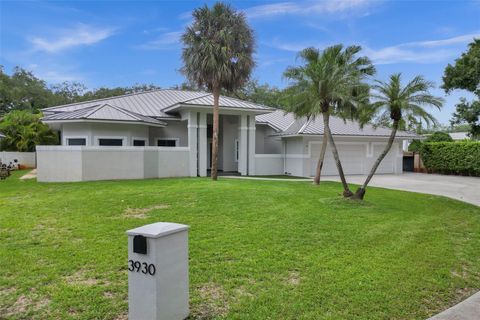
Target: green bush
x,y
439,136
462,158
415,146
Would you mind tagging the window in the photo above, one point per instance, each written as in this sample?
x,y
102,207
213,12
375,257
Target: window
x,y
138,143
167,142
76,141
110,142
237,150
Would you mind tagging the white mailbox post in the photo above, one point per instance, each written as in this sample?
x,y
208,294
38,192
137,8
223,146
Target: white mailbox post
x,y
158,272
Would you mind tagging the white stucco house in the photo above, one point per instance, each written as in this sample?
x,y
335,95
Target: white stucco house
x,y
167,133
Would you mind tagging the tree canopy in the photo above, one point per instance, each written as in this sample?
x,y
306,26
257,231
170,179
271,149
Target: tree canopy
x,y
23,130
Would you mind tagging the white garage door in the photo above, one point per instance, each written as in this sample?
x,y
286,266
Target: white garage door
x,y
352,157
388,163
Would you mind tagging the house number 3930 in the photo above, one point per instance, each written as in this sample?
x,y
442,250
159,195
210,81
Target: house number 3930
x,y
143,267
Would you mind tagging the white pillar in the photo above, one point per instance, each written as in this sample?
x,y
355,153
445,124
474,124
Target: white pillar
x,y
202,145
192,142
251,145
158,272
242,137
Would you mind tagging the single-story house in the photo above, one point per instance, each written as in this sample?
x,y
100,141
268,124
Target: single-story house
x,y
164,133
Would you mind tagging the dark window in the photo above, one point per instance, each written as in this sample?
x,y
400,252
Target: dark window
x,y
166,143
139,143
110,142
77,142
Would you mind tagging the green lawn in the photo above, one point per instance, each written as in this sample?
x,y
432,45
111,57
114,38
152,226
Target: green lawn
x,y
258,249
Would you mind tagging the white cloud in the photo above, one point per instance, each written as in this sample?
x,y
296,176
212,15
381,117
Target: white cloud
x,y
81,35
305,8
430,51
164,41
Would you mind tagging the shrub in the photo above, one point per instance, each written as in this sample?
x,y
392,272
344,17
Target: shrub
x,y
439,136
415,146
461,158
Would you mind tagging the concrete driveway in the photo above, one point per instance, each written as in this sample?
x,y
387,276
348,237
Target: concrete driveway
x,y
466,189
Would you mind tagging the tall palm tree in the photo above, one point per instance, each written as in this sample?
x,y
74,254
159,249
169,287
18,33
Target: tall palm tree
x,y
330,81
218,54
401,105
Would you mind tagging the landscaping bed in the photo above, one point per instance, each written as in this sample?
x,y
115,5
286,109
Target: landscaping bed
x,y
258,249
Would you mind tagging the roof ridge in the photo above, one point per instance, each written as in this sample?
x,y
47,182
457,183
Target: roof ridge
x,y
206,95
305,125
115,97
124,111
94,109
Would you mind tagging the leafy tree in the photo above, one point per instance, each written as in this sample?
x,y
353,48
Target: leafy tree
x,y
415,146
22,90
439,136
218,54
468,112
329,81
261,93
399,103
23,131
465,74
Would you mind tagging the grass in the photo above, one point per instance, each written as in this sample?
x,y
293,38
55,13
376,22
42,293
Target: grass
x,y
258,249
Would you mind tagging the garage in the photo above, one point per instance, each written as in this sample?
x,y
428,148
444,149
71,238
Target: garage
x,y
388,163
352,157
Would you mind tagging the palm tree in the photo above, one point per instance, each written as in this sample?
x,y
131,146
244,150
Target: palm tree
x,y
330,81
401,105
218,54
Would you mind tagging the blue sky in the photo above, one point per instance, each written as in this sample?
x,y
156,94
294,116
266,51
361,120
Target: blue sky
x,y
120,43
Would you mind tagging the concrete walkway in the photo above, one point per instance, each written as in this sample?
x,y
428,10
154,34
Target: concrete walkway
x,y
465,189
468,309
30,175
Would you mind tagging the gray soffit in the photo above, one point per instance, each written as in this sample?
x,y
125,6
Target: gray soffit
x,y
338,126
103,112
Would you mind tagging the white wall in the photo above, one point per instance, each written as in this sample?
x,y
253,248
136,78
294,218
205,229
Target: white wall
x,y
269,164
79,163
266,142
27,159
174,129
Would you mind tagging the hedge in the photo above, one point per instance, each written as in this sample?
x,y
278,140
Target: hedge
x,y
462,158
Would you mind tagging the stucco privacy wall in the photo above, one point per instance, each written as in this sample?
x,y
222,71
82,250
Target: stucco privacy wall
x,y
27,159
174,130
79,163
269,164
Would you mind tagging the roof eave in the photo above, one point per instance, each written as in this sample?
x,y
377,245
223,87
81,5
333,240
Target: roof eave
x,y
161,125
179,106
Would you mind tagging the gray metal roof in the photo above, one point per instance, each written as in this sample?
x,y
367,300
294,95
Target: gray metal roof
x,y
279,119
154,103
338,126
103,112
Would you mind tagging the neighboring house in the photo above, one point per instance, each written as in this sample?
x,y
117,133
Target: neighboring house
x,y
165,133
456,136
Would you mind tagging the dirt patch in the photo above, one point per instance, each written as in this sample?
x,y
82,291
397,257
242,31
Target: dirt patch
x,y
214,302
141,213
122,317
108,294
23,304
79,278
293,278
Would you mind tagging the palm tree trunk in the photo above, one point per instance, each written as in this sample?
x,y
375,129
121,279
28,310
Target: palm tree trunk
x,y
216,97
321,157
360,193
346,191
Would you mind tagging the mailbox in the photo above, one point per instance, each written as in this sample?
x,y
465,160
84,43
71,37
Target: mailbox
x,y
158,272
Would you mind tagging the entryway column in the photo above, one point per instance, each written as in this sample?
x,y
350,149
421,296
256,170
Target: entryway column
x,y
202,145
242,142
192,141
251,145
